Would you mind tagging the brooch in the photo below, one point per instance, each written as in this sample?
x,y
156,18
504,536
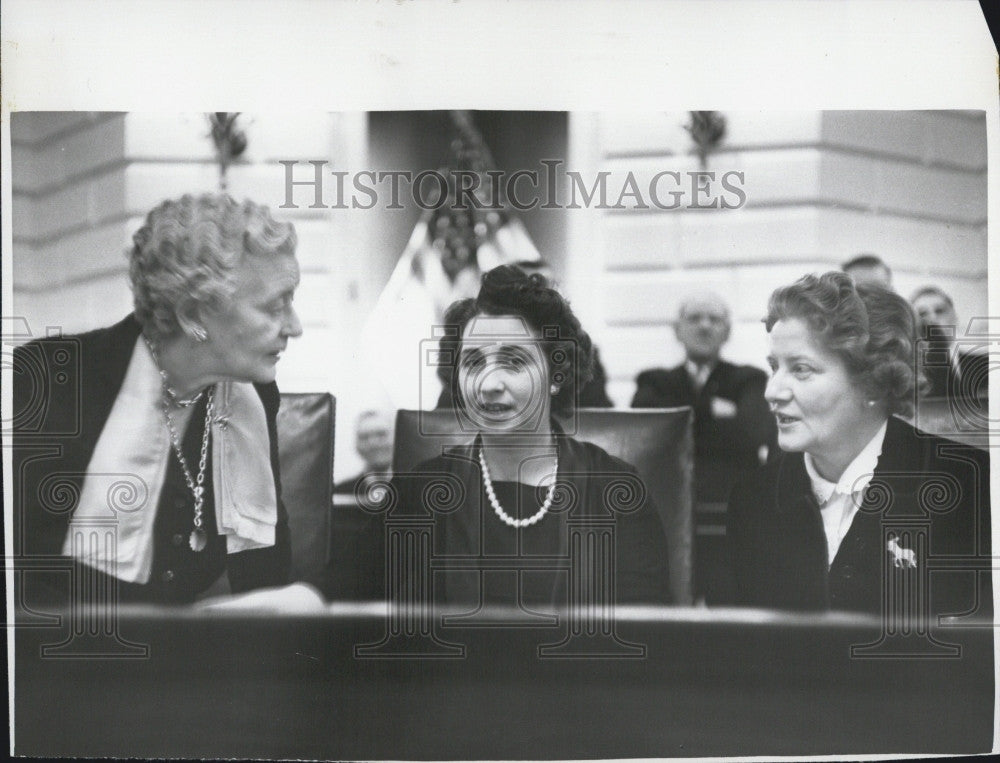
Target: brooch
x,y
904,558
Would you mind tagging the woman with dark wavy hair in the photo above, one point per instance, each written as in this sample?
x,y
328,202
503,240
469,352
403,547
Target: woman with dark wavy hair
x,y
521,356
507,290
517,355
859,503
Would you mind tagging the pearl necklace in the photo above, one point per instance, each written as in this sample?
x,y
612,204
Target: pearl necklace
x,y
498,509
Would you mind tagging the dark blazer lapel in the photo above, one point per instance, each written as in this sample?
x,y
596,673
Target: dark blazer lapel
x,y
864,533
686,383
899,468
102,359
717,378
890,485
105,357
856,572
794,488
799,539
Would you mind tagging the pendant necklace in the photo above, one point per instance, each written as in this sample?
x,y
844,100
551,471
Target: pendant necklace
x,y
198,539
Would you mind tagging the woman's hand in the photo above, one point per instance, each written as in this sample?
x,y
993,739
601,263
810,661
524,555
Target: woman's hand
x,y
297,598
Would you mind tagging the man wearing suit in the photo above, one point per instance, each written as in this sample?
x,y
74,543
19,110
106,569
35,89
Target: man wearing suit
x,y
733,428
964,374
373,441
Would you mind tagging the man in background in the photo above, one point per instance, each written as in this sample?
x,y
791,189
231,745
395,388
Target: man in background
x,y
374,436
868,268
950,372
733,426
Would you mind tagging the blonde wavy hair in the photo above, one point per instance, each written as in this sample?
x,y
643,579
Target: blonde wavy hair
x,y
187,250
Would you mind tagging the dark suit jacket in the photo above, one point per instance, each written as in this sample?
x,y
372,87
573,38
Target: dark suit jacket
x,y
724,447
351,486
466,528
63,394
971,382
922,485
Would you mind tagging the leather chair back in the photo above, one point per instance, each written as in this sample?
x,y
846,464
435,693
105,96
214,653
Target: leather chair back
x,y
963,420
305,451
658,442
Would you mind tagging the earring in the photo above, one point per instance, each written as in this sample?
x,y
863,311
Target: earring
x,y
199,334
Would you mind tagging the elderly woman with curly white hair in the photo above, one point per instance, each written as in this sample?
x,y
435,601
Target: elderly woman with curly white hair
x,y
175,406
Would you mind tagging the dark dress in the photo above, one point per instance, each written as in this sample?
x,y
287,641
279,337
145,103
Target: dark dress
x,y
478,559
930,493
64,390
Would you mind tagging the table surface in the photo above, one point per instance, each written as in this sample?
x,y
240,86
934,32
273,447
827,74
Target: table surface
x,y
707,682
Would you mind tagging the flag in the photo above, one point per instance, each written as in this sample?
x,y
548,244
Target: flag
x,y
450,248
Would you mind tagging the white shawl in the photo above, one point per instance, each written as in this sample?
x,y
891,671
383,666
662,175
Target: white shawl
x,y
112,525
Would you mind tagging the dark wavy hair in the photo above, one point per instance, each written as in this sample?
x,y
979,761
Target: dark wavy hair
x,y
508,290
872,330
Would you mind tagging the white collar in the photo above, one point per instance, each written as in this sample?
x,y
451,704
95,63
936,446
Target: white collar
x,y
700,371
856,476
